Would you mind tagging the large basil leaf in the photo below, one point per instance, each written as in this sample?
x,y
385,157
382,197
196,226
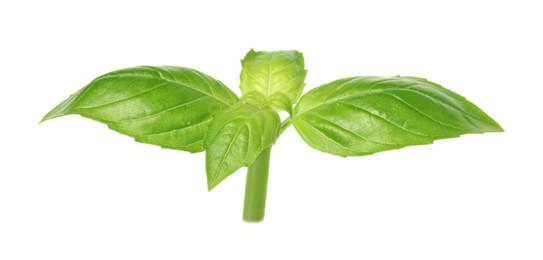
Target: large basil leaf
x,y
365,115
273,72
236,137
166,106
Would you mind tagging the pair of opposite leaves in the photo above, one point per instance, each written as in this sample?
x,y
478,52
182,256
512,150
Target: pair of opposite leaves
x,y
184,109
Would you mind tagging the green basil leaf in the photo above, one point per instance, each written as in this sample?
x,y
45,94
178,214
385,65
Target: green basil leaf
x,y
254,98
236,137
272,72
364,115
166,106
278,101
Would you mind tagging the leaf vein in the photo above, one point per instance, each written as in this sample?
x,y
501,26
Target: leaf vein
x,y
161,111
173,82
179,129
125,99
269,74
301,74
351,132
334,141
420,112
382,119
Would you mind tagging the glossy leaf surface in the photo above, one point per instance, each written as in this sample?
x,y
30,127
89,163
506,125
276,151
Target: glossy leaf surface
x,y
273,72
236,137
364,115
166,106
278,101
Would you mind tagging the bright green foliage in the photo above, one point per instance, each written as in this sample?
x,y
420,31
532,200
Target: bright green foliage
x,y
236,137
183,109
365,115
166,106
278,101
273,72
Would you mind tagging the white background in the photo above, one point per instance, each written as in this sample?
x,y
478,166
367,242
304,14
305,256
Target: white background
x,y
72,189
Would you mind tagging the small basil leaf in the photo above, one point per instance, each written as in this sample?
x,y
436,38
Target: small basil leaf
x,y
235,139
271,72
166,106
280,102
254,98
365,115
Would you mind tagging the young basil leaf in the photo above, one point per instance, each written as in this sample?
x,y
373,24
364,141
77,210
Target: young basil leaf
x,y
365,115
166,106
278,101
272,72
235,139
254,98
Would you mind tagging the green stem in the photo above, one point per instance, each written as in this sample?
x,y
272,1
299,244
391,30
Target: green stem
x,y
256,188
285,124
